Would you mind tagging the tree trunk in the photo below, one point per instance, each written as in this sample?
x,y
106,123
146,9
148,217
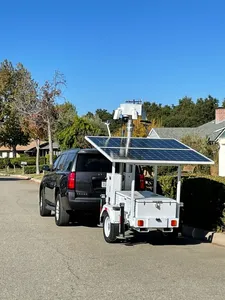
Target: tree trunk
x,y
14,151
37,156
50,143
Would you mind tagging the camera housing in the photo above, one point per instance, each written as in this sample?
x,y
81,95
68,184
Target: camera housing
x,y
125,118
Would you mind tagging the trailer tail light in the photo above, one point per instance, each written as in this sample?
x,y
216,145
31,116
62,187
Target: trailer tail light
x,y
142,181
173,223
71,181
140,223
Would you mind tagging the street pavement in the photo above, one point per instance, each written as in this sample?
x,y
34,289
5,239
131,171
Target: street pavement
x,y
39,260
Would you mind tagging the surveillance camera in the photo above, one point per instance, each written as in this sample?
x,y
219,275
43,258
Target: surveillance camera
x,y
125,119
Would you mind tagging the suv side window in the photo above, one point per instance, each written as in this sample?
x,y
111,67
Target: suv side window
x,y
69,161
62,162
56,163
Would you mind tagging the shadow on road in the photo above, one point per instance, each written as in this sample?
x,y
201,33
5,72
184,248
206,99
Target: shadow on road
x,y
158,239
154,238
12,179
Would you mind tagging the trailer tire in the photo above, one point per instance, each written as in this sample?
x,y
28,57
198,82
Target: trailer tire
x,y
110,231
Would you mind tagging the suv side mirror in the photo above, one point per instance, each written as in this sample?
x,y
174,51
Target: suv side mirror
x,y
46,168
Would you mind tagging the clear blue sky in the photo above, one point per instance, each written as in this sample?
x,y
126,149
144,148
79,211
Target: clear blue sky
x,y
112,51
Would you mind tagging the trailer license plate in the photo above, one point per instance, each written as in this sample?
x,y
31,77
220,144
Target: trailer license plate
x,y
103,184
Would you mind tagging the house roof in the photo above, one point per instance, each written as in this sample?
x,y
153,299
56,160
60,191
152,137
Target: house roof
x,y
4,149
211,130
22,148
173,132
55,146
30,146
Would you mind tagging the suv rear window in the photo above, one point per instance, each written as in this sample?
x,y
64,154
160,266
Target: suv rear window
x,y
93,163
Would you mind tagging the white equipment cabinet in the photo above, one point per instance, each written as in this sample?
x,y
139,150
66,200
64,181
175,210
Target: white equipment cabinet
x,y
154,210
125,209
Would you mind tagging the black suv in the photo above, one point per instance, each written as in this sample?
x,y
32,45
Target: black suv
x,y
74,184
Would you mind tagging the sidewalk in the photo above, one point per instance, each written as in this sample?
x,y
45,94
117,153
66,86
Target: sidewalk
x,y
216,238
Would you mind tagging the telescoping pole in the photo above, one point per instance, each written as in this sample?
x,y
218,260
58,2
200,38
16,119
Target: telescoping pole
x,y
122,220
178,191
155,179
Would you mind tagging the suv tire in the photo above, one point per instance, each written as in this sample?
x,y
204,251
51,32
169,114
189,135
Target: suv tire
x,y
62,217
110,231
42,205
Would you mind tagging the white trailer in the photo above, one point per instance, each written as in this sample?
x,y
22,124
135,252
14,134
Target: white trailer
x,y
124,208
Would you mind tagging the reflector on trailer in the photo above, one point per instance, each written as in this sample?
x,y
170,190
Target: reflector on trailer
x,y
140,223
174,223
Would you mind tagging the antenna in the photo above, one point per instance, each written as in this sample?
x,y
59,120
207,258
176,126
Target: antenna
x,y
107,123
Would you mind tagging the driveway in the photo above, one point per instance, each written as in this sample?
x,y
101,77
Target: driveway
x,y
39,260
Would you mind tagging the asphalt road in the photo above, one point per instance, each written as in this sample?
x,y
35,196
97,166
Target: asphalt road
x,y
39,260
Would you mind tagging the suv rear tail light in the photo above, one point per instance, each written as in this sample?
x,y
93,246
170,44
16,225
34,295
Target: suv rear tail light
x,y
71,181
142,181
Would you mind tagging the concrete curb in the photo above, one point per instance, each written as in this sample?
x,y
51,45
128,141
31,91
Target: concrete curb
x,y
22,177
204,235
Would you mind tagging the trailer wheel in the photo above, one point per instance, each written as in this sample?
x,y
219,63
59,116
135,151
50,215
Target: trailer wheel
x,y
110,231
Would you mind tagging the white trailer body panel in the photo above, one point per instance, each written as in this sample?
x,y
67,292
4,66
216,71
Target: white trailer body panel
x,y
155,210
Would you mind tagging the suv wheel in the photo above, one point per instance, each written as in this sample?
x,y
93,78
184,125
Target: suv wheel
x,y
110,231
42,205
61,216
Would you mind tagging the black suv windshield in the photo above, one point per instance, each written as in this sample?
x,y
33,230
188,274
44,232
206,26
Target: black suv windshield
x,y
91,162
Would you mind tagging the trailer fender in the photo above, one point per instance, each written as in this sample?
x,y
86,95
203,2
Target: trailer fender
x,y
112,211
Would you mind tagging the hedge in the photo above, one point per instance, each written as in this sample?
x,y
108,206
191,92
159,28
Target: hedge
x,y
203,197
31,169
30,160
4,162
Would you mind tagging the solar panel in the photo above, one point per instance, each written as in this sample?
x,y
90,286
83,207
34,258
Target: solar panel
x,y
154,155
118,142
147,151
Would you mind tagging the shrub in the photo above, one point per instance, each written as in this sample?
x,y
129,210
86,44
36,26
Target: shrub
x,y
30,160
47,158
4,162
31,169
203,198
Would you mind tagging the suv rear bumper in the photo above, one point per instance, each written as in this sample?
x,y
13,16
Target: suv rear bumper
x,y
85,204
79,203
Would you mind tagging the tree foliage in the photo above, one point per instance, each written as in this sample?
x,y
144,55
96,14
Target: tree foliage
x,y
66,112
140,129
186,114
204,147
11,133
74,136
49,92
11,84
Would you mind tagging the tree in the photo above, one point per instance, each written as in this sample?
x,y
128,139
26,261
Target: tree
x,y
104,115
205,109
33,124
74,136
203,146
66,113
29,108
50,91
11,133
140,129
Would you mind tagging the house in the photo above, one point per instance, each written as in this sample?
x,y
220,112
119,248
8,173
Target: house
x,y
30,149
44,149
214,131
